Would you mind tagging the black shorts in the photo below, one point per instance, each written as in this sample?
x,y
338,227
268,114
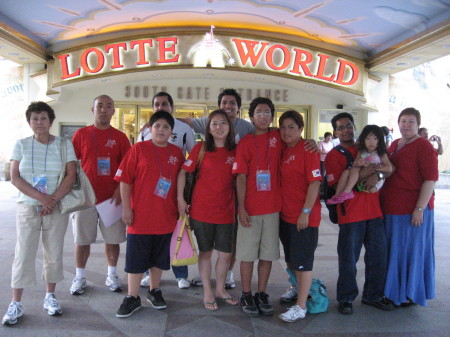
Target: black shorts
x,y
213,236
299,246
145,251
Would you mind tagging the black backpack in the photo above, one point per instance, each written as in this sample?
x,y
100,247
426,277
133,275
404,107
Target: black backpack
x,y
329,192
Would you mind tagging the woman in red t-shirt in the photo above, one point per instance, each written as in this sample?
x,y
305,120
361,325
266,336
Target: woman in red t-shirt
x,y
407,201
300,210
212,208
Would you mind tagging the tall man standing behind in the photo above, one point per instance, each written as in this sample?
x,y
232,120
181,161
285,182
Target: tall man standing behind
x,y
183,137
101,148
361,224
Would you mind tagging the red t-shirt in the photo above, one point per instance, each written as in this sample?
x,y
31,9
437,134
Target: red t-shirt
x,y
213,196
142,168
110,143
364,206
414,163
261,152
298,169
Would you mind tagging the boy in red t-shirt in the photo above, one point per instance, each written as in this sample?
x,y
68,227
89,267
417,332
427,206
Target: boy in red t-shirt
x,y
148,176
259,203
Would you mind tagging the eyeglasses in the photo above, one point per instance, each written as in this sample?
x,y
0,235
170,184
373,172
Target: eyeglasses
x,y
342,128
263,113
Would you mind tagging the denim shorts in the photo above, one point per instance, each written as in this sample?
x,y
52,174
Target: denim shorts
x,y
145,251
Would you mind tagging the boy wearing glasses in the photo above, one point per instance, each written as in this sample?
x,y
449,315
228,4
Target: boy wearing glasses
x,y
259,203
360,223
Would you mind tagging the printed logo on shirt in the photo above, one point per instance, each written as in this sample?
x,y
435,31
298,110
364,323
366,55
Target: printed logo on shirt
x,y
188,162
174,136
119,173
230,160
316,173
173,160
234,166
272,142
110,143
291,158
330,177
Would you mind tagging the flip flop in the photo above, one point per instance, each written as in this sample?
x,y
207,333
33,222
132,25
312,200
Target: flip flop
x,y
229,300
211,306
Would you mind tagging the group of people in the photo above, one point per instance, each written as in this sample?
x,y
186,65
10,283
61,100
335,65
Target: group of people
x,y
256,186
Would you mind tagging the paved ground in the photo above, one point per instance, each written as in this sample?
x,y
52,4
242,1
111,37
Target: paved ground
x,y
93,314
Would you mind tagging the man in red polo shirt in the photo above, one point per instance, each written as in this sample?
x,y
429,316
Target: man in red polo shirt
x,y
361,224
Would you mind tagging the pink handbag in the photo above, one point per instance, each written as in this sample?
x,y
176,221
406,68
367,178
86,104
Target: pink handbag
x,y
182,246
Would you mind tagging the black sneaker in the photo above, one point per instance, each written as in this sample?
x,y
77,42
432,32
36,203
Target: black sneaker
x,y
345,308
129,305
262,303
248,305
382,304
156,298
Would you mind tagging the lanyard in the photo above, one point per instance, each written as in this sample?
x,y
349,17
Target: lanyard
x,y
267,152
95,140
32,155
160,162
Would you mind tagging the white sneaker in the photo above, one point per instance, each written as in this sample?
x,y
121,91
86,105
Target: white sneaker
x,y
229,282
145,282
289,296
14,312
183,283
51,304
112,281
78,285
294,313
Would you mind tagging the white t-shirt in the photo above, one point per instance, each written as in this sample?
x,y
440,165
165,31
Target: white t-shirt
x,y
241,127
182,136
30,154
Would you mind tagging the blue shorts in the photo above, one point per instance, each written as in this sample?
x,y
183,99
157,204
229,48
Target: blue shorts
x,y
145,251
299,246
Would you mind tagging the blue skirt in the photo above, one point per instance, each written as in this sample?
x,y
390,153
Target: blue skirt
x,y
411,263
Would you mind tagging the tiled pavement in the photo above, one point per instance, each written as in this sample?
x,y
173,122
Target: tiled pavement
x,y
93,313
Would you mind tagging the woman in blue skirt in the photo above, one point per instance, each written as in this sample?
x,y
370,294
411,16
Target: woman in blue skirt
x,y
407,200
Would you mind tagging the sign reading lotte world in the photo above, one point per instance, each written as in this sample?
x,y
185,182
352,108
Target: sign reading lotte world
x,y
191,51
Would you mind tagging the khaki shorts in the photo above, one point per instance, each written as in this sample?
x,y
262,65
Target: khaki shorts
x,y
32,228
261,240
85,225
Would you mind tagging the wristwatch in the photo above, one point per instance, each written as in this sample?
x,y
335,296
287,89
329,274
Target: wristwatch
x,y
306,210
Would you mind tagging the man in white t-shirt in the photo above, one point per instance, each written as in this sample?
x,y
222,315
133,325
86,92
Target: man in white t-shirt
x,y
183,137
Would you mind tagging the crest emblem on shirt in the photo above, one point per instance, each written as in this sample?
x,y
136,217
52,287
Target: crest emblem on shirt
x,y
316,173
173,160
110,143
291,158
230,160
174,136
272,142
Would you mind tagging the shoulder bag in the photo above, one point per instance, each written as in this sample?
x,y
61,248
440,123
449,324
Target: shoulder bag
x,y
82,195
191,178
182,246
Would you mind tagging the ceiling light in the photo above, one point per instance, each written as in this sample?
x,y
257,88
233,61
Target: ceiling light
x,y
402,64
208,75
106,80
90,29
23,58
136,19
281,22
259,79
446,46
209,11
13,54
415,58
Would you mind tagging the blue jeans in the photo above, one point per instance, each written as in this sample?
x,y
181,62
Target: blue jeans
x,y
351,238
180,271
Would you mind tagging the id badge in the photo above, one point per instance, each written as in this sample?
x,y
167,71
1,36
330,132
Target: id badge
x,y
263,180
40,183
103,166
162,187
